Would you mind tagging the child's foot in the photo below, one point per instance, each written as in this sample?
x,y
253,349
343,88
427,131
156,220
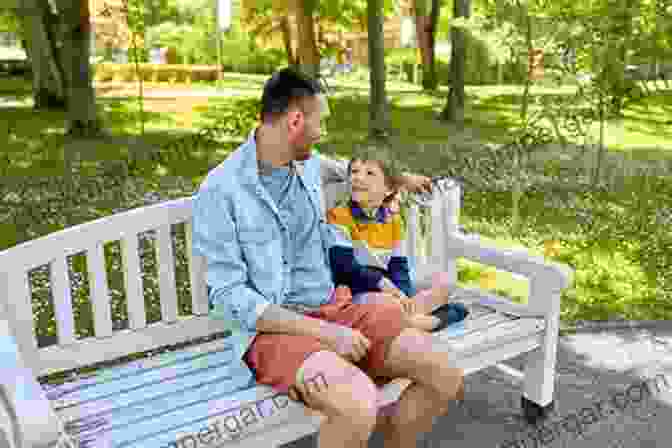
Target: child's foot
x,y
449,314
423,322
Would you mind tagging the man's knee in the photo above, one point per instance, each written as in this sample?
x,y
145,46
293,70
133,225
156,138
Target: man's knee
x,y
350,391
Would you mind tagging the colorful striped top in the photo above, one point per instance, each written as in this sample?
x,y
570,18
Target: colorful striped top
x,y
376,249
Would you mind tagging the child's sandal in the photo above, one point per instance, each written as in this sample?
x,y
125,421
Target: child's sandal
x,y
449,314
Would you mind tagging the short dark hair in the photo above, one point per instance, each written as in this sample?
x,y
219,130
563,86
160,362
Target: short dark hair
x,y
284,88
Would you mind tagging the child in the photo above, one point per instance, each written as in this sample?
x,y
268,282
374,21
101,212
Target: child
x,y
374,267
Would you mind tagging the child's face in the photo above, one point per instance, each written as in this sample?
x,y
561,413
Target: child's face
x,y
368,184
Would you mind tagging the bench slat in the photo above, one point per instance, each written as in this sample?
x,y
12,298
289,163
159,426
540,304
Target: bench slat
x,y
61,296
166,263
498,334
437,233
157,391
478,320
54,392
19,306
135,299
199,294
152,403
145,377
89,351
100,295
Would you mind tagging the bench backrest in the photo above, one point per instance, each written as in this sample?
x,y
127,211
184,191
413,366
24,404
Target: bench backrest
x,y
69,351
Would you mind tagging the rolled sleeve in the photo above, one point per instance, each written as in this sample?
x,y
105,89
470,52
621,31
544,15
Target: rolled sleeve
x,y
332,171
214,237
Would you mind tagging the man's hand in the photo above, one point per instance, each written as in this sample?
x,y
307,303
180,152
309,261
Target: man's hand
x,y
417,184
347,342
407,305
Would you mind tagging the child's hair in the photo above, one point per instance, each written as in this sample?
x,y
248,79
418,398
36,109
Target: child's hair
x,y
387,163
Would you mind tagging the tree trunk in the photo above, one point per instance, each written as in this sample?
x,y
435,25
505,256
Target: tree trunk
x,y
378,113
426,20
308,56
48,83
59,44
80,98
287,38
454,109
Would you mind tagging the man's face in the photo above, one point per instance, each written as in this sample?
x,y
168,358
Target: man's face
x,y
304,127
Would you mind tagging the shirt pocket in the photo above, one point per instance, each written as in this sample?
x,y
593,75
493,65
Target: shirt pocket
x,y
259,252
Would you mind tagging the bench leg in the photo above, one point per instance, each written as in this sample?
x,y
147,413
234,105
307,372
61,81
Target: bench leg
x,y
539,380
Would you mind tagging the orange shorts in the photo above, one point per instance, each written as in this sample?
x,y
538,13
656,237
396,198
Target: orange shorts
x,y
275,358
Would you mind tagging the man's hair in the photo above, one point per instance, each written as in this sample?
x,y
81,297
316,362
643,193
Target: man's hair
x,y
284,89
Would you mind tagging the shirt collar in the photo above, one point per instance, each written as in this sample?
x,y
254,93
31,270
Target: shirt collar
x,y
382,213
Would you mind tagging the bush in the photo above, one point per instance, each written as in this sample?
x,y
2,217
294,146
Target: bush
x,y
156,72
233,118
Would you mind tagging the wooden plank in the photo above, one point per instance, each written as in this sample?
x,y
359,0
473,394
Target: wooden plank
x,y
135,299
17,301
72,240
475,361
499,334
114,373
438,252
495,302
153,392
88,351
197,270
412,237
470,326
100,295
61,295
166,262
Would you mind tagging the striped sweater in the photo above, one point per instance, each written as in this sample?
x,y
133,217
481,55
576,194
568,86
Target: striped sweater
x,y
376,249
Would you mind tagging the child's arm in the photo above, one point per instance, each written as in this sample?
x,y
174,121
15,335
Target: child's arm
x,y
347,271
398,266
344,267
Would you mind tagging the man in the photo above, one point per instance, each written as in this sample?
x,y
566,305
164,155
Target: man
x,y
259,222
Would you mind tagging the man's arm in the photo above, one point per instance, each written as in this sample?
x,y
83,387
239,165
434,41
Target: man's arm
x,y
332,171
214,237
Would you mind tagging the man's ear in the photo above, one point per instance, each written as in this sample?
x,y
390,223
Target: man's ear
x,y
294,118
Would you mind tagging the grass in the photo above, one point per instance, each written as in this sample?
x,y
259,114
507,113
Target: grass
x,y
615,239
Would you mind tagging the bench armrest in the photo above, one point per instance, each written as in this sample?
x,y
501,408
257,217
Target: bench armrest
x,y
547,279
26,417
555,276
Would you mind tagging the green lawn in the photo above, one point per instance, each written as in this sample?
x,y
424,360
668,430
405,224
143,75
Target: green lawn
x,y
617,240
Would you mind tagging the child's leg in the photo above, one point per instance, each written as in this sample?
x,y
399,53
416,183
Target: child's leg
x,y
428,300
419,320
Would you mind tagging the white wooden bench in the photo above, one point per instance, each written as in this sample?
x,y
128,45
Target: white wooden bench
x,y
186,397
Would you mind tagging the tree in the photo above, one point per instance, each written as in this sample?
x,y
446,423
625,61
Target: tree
x,y
378,110
454,109
427,14
58,38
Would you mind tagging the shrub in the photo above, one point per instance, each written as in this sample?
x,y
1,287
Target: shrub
x,y
233,118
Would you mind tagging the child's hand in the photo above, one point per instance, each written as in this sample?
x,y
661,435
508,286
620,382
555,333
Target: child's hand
x,y
407,305
390,288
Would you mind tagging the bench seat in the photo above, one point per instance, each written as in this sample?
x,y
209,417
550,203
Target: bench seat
x,y
186,398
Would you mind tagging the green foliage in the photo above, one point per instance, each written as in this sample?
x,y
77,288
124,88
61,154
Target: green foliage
x,y
233,118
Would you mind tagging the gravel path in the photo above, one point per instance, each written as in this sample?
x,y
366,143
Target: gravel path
x,y
598,371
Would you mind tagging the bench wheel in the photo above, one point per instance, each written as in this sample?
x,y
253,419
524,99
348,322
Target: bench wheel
x,y
533,412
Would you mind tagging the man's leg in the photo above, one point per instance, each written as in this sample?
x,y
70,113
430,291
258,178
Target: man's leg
x,y
414,355
325,382
344,394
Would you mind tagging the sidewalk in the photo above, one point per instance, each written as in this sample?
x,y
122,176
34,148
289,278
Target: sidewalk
x,y
597,370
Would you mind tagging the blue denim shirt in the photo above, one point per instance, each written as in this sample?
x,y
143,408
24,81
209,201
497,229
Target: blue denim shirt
x,y
239,229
